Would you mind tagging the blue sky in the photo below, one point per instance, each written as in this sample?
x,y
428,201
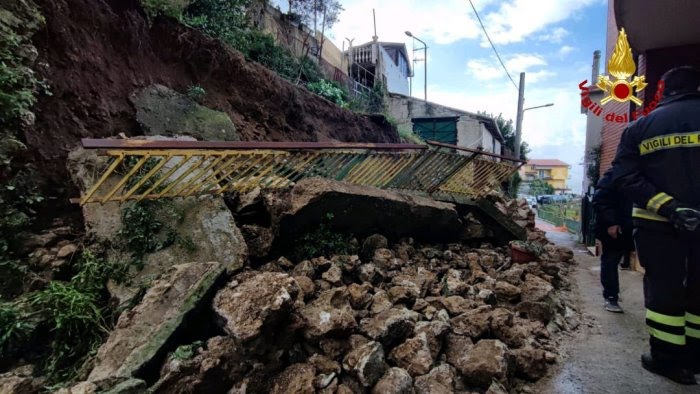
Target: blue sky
x,y
552,41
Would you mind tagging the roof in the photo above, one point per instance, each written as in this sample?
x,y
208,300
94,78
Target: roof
x,y
547,163
487,121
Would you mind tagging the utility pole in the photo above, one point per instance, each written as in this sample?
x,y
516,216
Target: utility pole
x,y
519,119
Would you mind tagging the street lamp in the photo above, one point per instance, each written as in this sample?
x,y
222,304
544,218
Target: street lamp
x,y
519,125
425,59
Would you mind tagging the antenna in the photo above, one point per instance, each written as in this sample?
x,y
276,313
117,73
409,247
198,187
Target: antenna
x,y
374,18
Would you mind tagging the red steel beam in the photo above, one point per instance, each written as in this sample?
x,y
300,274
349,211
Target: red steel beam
x,y
94,143
477,151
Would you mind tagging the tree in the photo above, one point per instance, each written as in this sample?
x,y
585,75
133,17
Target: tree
x,y
540,187
508,132
311,12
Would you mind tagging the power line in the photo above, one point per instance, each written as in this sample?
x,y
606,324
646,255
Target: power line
x,y
492,46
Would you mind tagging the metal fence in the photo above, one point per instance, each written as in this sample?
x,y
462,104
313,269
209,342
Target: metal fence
x,y
147,169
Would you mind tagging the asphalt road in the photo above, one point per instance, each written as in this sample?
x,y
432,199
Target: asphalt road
x,y
603,355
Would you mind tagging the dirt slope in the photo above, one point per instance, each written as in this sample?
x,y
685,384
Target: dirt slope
x,y
95,53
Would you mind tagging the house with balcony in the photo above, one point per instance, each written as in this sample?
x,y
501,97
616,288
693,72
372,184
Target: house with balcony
x,y
553,171
379,62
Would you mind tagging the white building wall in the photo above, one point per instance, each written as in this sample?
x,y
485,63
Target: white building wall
x,y
396,78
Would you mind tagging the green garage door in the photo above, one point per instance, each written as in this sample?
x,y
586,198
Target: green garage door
x,y
437,129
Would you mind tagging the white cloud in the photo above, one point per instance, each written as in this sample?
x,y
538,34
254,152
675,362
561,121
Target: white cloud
x,y
555,36
516,20
490,69
565,50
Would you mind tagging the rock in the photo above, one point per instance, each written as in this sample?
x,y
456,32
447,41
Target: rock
x,y
391,326
370,273
34,241
66,251
347,263
324,364
536,311
79,388
368,210
454,285
394,381
304,268
403,295
485,362
334,275
263,300
17,382
163,111
128,386
422,278
473,323
530,364
413,355
366,363
380,302
507,292
213,369
360,296
535,289
426,384
513,275
143,332
306,286
259,240
384,259
334,348
435,331
496,388
297,378
457,348
372,243
456,305
329,314
487,296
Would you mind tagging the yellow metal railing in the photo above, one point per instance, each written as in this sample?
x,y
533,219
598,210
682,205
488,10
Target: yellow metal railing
x,y
138,169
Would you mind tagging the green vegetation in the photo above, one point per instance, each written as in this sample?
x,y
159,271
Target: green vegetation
x,y
196,93
323,241
540,187
19,87
330,91
72,316
186,352
513,185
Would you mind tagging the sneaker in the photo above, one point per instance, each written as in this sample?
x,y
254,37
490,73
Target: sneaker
x,y
613,306
679,375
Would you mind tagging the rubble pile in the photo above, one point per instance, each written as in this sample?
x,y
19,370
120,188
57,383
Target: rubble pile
x,y
391,320
516,209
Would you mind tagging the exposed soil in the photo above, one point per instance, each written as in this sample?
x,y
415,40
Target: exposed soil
x,y
95,53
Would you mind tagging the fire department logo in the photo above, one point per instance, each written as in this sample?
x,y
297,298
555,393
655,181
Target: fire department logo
x,y
621,66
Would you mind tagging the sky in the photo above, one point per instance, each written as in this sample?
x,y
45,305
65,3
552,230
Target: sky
x,y
552,41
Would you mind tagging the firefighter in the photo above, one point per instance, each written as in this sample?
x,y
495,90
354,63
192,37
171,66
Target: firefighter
x,y
655,167
613,227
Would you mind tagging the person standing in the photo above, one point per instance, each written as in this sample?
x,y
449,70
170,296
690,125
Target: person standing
x,y
613,227
656,166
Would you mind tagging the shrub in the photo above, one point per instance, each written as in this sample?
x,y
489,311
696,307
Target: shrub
x,y
330,91
76,323
15,330
196,93
171,8
323,241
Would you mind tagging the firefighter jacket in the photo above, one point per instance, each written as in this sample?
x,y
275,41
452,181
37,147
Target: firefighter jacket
x,y
659,155
612,209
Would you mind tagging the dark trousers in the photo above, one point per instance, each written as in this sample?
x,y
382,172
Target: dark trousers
x,y
613,251
671,290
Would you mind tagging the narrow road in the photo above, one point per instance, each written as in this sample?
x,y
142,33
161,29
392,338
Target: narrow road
x,y
603,356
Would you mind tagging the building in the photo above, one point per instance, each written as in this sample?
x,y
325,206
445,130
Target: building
x,y
594,127
554,172
383,62
662,35
445,124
